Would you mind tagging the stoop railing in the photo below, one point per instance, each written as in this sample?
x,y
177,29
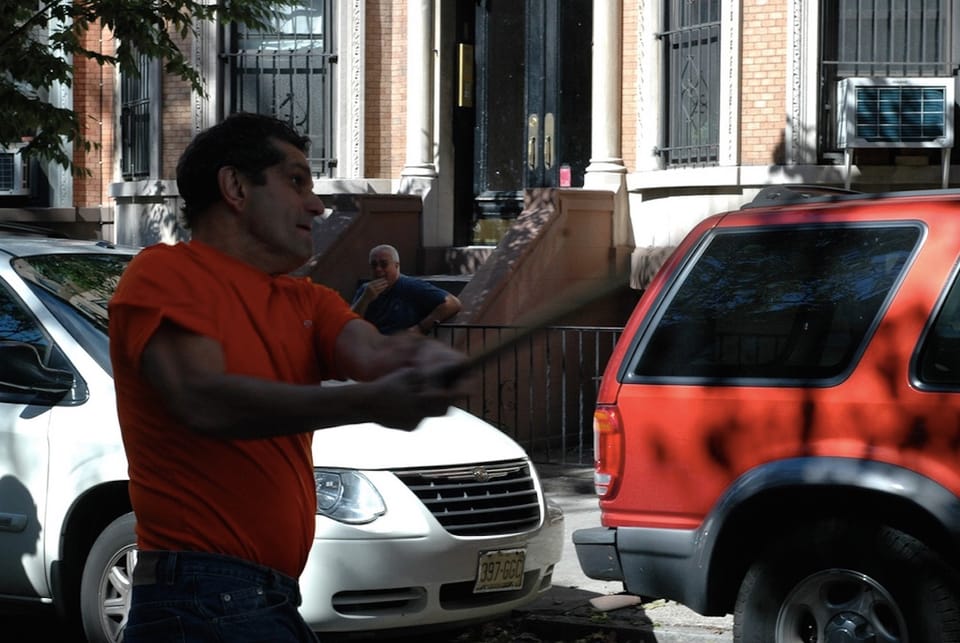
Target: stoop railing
x,y
542,390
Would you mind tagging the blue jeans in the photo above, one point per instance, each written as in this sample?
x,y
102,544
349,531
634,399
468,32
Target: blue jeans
x,y
193,597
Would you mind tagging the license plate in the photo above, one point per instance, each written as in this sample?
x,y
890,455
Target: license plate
x,y
500,570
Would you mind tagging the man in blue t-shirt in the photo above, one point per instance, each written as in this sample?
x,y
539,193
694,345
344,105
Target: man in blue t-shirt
x,y
394,302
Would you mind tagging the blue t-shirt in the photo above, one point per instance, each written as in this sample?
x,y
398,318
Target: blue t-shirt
x,y
402,305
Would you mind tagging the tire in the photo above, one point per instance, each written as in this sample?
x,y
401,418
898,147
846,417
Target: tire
x,y
105,585
840,581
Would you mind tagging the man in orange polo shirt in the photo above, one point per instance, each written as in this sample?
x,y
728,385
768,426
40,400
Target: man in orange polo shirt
x,y
218,357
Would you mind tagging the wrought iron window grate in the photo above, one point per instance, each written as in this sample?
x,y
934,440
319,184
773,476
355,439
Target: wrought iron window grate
x,y
883,39
289,72
135,141
692,51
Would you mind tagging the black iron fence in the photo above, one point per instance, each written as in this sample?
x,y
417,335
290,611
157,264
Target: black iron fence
x,y
540,391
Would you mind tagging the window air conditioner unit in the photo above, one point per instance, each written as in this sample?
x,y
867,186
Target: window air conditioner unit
x,y
896,113
13,178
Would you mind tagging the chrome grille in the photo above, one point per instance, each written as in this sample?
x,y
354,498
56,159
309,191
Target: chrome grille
x,y
485,499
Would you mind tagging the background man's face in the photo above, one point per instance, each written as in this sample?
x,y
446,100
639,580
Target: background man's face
x,y
383,266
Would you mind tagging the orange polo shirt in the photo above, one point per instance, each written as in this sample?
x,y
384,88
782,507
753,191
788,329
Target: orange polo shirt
x,y
253,499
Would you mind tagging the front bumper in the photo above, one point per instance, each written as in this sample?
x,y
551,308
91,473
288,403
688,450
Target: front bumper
x,y
388,582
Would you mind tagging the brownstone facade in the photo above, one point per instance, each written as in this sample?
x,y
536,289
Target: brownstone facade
x,y
176,117
93,100
763,79
385,72
628,132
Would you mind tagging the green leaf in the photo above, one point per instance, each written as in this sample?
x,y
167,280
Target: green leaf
x,y
37,39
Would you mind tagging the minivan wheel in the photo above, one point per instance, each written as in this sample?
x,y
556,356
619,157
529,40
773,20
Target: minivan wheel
x,y
840,581
105,585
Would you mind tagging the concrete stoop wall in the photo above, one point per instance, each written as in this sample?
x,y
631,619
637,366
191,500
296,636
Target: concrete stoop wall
x,y
562,241
541,390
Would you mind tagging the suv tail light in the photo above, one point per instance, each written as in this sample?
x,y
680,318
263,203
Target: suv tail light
x,y
608,450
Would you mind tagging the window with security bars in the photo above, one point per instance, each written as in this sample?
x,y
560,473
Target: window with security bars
x,y
691,44
135,102
885,39
288,72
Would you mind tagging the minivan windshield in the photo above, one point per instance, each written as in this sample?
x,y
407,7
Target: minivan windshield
x,y
76,289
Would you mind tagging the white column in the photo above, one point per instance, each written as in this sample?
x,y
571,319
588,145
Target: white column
x,y
606,170
350,80
419,174
803,79
419,90
649,119
206,49
61,95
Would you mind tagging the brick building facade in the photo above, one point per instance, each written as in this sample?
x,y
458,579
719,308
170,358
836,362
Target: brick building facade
x,y
690,108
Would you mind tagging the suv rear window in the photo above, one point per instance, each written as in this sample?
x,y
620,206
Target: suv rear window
x,y
776,303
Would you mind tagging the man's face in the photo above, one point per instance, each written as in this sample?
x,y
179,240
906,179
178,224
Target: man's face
x,y
382,266
279,214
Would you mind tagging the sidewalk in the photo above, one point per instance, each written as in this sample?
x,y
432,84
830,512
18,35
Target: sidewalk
x,y
577,606
571,614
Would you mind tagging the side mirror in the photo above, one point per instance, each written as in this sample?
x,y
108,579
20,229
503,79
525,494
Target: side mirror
x,y
22,370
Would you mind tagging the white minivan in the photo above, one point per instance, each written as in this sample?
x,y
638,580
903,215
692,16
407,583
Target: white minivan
x,y
442,525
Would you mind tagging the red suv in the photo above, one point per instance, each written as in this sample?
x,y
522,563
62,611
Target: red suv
x,y
778,431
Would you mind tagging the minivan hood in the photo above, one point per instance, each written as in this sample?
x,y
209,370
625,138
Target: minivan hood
x,y
453,439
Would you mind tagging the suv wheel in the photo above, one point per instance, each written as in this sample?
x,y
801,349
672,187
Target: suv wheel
x,y
840,581
105,586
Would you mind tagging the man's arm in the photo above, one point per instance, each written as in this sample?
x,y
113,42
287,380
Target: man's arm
x,y
364,354
188,372
449,307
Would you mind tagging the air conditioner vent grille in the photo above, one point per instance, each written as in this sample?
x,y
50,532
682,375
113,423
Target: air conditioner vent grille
x,y
13,177
7,172
901,114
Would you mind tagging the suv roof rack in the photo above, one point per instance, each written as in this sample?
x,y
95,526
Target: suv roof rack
x,y
30,229
781,194
774,195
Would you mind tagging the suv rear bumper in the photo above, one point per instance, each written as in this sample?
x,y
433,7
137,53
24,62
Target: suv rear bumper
x,y
597,553
661,563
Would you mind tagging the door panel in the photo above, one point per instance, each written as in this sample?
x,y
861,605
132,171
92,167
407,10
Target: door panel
x,y
533,73
23,461
501,115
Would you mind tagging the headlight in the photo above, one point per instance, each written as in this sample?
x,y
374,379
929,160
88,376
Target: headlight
x,y
347,496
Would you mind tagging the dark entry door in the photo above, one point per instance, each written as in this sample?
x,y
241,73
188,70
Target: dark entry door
x,y
532,103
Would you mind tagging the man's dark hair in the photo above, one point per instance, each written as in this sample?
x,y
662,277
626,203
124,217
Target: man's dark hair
x,y
244,141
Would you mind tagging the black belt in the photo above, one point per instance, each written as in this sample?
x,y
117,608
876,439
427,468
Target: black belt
x,y
145,572
159,567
